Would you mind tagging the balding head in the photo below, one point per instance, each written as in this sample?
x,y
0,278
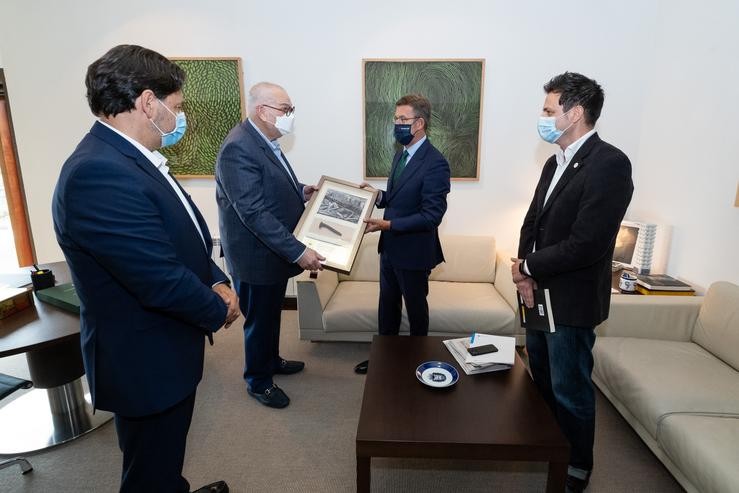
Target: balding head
x,y
265,93
265,103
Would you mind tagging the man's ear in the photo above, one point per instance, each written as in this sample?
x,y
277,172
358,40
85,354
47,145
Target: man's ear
x,y
146,102
579,114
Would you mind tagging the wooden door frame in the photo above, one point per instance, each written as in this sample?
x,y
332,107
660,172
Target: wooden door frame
x,y
13,183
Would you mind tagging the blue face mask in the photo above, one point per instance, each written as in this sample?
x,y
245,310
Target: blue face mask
x,y
403,133
548,128
171,138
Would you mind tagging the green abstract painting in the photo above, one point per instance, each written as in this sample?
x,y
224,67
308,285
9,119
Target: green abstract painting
x,y
454,88
213,105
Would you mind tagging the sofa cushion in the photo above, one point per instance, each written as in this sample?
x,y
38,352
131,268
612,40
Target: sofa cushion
x,y
465,307
467,259
367,262
454,308
704,449
717,327
654,378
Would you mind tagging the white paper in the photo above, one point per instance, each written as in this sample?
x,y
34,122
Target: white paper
x,y
506,353
458,349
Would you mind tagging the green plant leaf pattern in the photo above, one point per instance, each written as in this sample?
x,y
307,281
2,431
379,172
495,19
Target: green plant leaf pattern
x,y
454,89
213,106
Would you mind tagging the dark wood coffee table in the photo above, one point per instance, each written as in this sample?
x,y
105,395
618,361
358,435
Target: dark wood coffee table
x,y
495,416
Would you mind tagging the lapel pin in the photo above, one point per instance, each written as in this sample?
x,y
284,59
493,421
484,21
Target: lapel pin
x,y
576,165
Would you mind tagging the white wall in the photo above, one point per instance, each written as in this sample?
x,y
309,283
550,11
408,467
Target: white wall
x,y
666,68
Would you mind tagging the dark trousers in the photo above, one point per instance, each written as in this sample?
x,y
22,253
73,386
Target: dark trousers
x,y
154,449
561,364
261,306
397,285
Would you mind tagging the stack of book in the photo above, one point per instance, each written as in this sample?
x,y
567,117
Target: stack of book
x,y
502,359
13,300
663,284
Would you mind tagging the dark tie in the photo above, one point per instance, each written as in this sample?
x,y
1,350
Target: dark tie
x,y
401,166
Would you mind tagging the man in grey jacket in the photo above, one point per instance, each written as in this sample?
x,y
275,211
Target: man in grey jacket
x,y
260,201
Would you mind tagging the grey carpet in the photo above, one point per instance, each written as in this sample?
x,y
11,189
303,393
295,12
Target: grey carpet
x,y
309,446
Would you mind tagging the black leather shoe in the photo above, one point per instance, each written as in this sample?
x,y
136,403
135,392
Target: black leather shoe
x,y
576,485
217,487
272,397
289,367
362,367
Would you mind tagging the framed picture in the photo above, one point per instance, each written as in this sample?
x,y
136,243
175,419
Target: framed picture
x,y
214,104
454,88
333,221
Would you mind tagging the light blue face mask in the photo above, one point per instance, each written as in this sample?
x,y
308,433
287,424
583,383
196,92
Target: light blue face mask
x,y
171,138
548,128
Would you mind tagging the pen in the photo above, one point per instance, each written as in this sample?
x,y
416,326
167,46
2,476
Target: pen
x,y
472,339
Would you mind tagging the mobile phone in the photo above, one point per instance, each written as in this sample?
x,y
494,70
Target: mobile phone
x,y
479,350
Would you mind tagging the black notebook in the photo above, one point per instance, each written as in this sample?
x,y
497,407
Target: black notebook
x,y
540,316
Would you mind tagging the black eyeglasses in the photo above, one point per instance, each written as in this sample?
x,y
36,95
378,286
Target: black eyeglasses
x,y
289,111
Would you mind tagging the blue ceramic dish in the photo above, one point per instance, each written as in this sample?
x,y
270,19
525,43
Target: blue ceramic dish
x,y
437,374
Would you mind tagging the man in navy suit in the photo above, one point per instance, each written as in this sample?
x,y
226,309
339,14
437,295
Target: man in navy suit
x,y
566,246
139,252
414,203
260,201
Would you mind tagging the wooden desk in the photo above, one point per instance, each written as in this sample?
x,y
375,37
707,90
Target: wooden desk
x,y
495,416
57,410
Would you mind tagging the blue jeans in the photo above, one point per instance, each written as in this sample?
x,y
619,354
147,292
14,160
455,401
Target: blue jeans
x,y
261,306
561,364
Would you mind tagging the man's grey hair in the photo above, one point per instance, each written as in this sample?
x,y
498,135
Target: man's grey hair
x,y
261,93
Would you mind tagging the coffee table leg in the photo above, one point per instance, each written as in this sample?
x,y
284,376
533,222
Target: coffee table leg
x,y
363,474
557,477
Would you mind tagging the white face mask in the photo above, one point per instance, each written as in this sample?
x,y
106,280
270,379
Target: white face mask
x,y
285,123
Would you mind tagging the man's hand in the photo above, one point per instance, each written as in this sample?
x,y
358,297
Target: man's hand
x,y
376,224
516,270
526,288
308,191
311,260
229,297
369,187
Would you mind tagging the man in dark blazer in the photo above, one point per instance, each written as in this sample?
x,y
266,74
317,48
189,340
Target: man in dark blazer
x,y
139,253
260,201
566,246
414,203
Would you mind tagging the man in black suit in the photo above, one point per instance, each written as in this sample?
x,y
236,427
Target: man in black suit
x,y
566,246
414,203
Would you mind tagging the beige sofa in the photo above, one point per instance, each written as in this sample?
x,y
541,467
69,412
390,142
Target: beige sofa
x,y
669,365
471,291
